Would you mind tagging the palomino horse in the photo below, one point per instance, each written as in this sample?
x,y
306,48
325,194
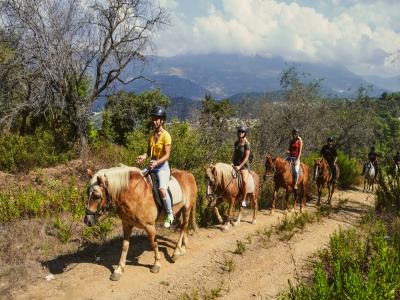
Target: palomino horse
x,y
223,183
369,177
280,169
131,194
323,176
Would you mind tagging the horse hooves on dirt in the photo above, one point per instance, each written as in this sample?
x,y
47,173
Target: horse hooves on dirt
x,y
155,269
237,223
115,276
225,228
254,222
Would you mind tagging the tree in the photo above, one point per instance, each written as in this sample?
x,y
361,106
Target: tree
x,y
80,49
214,126
128,111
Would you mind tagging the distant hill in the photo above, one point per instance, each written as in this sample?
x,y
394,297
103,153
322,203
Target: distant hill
x,y
236,76
224,75
391,84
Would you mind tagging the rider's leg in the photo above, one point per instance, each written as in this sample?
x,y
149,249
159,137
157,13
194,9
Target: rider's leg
x,y
333,171
163,176
296,172
245,178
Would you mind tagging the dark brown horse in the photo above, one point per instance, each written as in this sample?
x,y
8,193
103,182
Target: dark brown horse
x,y
280,169
323,176
223,183
131,194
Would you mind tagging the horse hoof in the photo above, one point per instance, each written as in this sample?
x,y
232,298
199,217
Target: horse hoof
x,y
225,228
234,224
175,257
115,276
253,222
155,269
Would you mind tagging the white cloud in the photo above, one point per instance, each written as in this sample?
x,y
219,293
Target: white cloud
x,y
361,37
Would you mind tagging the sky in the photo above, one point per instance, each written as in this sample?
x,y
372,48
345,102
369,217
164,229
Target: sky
x,y
364,36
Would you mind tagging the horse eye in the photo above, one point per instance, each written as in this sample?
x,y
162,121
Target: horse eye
x,y
96,196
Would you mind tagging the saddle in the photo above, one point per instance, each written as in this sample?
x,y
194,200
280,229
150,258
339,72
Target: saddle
x,y
174,190
250,183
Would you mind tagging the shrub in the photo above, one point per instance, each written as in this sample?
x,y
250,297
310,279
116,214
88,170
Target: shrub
x,y
349,170
26,152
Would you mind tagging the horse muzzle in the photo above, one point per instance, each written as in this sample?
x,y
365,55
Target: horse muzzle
x,y
89,219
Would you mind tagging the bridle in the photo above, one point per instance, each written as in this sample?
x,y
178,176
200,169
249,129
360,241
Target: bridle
x,y
88,212
215,185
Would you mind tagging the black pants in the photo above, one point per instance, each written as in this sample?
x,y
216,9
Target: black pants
x,y
332,167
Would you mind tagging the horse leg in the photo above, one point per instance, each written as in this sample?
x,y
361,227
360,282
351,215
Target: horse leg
x,y
180,248
151,231
364,184
237,222
304,188
255,207
332,191
274,198
287,197
216,211
319,192
116,275
295,198
228,217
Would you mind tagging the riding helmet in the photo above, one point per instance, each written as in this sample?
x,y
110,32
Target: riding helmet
x,y
295,130
159,111
242,128
330,139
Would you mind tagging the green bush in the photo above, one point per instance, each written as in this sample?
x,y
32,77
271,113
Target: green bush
x,y
26,152
350,170
51,199
356,265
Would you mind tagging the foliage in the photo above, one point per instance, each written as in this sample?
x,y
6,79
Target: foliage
x,y
350,170
51,199
26,152
356,265
128,111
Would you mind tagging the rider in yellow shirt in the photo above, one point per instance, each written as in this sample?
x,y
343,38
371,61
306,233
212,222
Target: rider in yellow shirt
x,y
159,150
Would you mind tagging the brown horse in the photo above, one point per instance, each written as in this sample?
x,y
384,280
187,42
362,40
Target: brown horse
x,y
131,194
223,183
323,176
280,169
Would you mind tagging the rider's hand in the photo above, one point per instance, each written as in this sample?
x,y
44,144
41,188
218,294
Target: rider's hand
x,y
140,159
237,168
152,164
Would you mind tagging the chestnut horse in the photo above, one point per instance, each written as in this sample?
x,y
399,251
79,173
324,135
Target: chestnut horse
x,y
280,169
223,183
131,194
323,176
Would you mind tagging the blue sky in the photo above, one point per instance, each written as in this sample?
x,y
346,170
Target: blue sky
x,y
364,35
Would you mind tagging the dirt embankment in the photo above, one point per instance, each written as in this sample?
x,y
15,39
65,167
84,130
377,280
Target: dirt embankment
x,y
210,265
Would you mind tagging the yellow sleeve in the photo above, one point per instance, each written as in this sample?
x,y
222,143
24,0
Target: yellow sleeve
x,y
167,138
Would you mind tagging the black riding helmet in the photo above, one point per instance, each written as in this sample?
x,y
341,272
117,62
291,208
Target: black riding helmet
x,y
295,130
160,112
242,128
329,139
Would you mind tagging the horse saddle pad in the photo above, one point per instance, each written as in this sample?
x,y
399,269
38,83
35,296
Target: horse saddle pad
x,y
174,190
250,185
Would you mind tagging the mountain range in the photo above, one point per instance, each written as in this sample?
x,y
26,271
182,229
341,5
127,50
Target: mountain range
x,y
235,76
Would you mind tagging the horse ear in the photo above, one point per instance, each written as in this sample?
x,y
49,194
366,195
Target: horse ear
x,y
89,173
100,180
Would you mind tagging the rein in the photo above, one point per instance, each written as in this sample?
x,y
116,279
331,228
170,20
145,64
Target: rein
x,y
234,176
108,205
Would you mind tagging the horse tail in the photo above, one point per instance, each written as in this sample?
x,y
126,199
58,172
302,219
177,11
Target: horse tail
x,y
193,218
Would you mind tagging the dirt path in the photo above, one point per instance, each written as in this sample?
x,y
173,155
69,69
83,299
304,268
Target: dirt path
x,y
260,273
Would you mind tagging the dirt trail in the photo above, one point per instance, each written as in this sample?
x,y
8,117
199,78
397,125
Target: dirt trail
x,y
260,273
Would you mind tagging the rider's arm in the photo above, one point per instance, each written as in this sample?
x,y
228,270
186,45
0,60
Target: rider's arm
x,y
301,147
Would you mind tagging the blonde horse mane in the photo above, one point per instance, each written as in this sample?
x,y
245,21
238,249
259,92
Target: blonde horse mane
x,y
117,178
224,173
